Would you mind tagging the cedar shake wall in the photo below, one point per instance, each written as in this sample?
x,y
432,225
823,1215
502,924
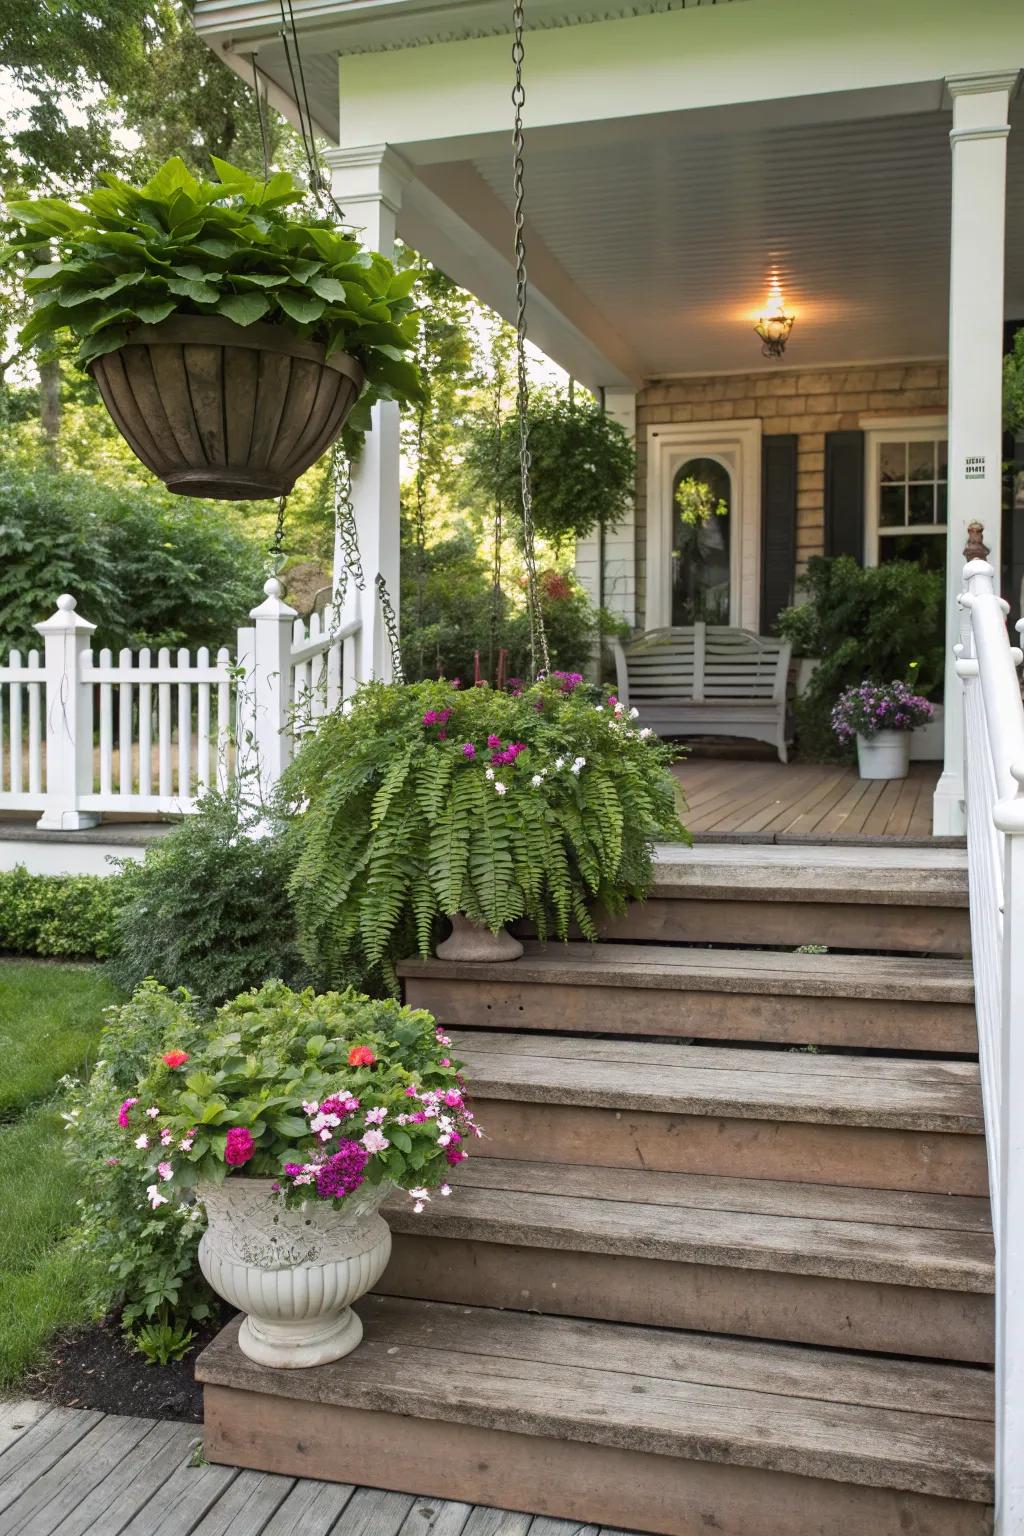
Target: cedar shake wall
x,y
809,404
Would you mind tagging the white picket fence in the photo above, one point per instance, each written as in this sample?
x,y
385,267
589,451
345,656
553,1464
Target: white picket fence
x,y
82,735
994,771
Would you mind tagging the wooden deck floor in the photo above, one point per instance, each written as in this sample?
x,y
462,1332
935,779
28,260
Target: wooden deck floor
x,y
761,801
73,1472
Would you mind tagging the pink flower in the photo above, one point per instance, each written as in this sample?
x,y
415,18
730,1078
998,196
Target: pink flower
x,y
155,1197
468,749
239,1147
165,1170
113,1162
494,741
375,1141
376,1116
122,1114
410,1091
175,1059
142,1142
152,1113
166,1136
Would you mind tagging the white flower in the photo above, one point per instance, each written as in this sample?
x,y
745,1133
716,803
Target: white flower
x,y
153,1113
500,788
645,733
142,1142
488,774
311,1107
559,762
155,1197
375,1141
419,1194
537,780
376,1116
186,1144
446,1190
599,708
418,1207
619,708
577,764
634,714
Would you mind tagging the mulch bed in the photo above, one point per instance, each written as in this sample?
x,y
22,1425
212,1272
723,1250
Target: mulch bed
x,y
93,1367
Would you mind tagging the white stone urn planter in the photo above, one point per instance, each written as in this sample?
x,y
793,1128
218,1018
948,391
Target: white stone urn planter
x,y
885,755
294,1272
475,941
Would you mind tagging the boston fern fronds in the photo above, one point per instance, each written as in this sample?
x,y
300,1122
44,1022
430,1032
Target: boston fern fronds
x,y
424,800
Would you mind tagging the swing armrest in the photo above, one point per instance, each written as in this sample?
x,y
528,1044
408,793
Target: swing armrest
x,y
621,672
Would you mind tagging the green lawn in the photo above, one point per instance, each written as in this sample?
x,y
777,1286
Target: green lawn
x,y
50,1018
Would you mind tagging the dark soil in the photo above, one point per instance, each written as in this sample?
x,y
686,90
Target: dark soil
x,y
94,1367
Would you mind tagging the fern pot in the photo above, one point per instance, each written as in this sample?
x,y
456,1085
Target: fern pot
x,y
294,1273
475,941
886,755
225,410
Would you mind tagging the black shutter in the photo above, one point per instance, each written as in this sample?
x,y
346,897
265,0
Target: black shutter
x,y
778,526
844,494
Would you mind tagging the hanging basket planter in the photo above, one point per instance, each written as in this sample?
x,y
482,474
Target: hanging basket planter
x,y
225,410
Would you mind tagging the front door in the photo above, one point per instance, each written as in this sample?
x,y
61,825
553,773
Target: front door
x,y
701,540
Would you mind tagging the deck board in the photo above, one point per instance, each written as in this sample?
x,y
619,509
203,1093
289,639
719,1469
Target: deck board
x,y
74,1472
766,800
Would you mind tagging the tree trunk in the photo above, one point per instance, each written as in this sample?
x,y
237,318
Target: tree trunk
x,y
49,406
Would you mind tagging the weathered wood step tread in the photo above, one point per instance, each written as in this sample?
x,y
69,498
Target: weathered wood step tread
x,y
889,876
821,1088
678,968
904,1425
937,1242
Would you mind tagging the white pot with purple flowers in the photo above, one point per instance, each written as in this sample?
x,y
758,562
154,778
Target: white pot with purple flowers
x,y
293,1118
880,717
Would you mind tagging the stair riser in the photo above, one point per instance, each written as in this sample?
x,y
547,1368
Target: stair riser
x,y
602,1485
892,1024
840,925
753,1303
859,1157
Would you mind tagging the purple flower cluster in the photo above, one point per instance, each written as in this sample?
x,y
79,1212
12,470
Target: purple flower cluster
x,y
505,755
868,708
569,680
437,717
343,1172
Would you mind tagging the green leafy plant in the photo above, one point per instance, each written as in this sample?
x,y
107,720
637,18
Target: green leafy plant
x,y
861,622
583,467
696,502
427,800
131,256
58,914
319,1093
208,908
1013,385
163,1343
132,1259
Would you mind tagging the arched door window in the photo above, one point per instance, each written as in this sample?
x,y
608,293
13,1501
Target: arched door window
x,y
701,498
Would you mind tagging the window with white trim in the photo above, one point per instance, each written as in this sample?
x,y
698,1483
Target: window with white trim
x,y
908,469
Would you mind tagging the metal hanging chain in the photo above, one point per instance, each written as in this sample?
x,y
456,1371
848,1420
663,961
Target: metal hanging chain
x,y
264,141
318,183
496,594
277,551
538,637
390,627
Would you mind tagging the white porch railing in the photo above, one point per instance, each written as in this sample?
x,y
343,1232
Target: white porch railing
x,y
994,776
81,736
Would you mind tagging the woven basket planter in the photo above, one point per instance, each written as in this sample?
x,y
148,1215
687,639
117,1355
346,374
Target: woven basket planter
x,y
224,410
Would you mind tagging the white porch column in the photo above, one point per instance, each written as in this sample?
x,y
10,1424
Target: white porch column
x,y
978,138
367,181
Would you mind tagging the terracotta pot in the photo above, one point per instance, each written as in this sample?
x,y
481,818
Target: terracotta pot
x,y
294,1272
225,410
474,941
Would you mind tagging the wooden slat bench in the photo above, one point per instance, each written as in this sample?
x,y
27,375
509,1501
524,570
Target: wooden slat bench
x,y
707,679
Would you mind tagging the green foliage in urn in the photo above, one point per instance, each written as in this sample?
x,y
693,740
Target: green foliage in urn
x,y
131,256
426,800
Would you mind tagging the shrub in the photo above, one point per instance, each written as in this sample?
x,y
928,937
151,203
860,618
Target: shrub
x,y
132,1258
58,914
425,800
1013,385
208,908
147,568
876,621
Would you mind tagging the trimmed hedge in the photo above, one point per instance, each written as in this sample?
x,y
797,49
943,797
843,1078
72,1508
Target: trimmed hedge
x,y
58,914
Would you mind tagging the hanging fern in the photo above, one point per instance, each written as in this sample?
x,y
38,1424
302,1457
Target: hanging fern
x,y
422,800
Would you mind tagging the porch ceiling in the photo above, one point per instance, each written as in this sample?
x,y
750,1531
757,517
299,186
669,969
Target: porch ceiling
x,y
671,237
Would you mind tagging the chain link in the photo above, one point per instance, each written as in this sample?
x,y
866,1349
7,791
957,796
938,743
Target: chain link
x,y
538,637
346,537
391,628
277,551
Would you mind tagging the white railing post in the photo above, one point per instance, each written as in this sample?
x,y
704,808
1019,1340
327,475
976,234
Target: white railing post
x,y
66,639
268,684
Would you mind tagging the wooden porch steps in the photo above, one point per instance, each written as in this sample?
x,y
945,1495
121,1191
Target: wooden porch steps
x,y
671,1432
723,1262
881,1122
883,1002
854,1269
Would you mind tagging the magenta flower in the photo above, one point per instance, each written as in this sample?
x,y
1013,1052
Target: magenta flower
x,y
239,1147
468,749
343,1172
494,741
122,1114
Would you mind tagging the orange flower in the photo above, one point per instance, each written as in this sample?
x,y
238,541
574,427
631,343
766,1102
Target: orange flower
x,y
361,1056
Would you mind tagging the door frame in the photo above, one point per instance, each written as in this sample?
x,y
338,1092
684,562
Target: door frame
x,y
737,446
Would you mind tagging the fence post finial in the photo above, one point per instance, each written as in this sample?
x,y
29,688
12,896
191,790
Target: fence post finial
x,y
975,548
